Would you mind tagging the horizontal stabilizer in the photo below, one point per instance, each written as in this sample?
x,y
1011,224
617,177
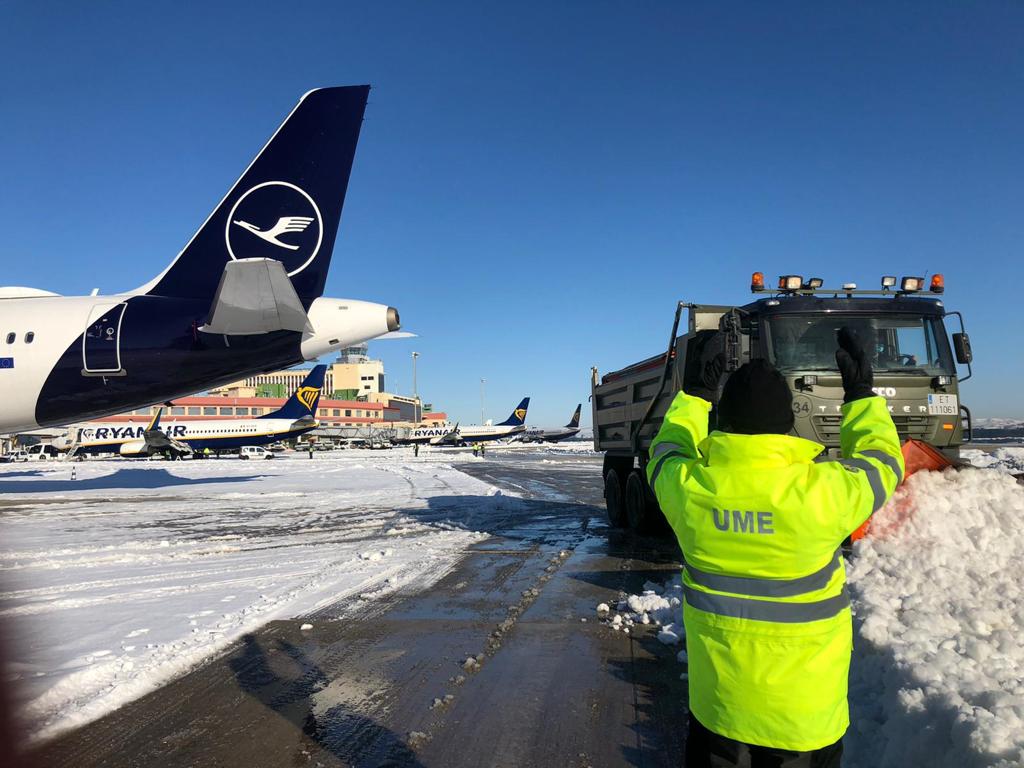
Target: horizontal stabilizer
x,y
395,335
255,296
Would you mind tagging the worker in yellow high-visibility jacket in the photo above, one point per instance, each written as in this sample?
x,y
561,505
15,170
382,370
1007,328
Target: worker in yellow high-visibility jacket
x,y
760,519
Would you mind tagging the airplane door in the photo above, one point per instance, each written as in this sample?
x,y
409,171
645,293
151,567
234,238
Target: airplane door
x,y
101,342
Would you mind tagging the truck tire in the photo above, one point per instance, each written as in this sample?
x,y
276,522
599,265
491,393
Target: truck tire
x,y
613,499
638,509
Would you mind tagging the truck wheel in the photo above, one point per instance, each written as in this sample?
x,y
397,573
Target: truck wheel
x,y
613,500
637,508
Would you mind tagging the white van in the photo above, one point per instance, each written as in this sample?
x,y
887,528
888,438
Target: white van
x,y
42,452
254,452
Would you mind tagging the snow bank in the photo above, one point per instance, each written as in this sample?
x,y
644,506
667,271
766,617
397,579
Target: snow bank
x,y
135,572
938,670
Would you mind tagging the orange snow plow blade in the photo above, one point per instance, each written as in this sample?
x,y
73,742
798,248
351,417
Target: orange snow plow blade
x,y
917,456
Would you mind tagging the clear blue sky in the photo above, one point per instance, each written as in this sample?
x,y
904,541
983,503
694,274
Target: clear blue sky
x,y
538,183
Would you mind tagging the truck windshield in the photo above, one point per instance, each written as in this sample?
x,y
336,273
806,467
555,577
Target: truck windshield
x,y
895,343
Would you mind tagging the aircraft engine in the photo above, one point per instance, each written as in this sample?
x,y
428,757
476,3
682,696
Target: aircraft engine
x,y
133,448
339,323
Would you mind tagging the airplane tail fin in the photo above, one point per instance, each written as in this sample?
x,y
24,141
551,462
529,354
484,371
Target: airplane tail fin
x,y
574,422
286,206
518,417
303,402
155,421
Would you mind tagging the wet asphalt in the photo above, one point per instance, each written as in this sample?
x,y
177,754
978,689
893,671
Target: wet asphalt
x,y
493,665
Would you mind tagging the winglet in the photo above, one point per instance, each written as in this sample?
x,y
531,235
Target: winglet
x,y
154,423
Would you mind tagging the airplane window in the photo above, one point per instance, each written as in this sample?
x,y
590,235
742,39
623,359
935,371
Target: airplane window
x,y
10,338
29,337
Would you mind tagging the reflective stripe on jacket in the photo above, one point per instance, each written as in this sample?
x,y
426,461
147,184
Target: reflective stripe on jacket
x,y
760,522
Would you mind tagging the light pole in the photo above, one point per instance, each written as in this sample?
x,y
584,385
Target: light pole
x,y
415,393
482,400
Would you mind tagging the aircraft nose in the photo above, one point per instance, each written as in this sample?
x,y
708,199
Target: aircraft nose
x,y
394,321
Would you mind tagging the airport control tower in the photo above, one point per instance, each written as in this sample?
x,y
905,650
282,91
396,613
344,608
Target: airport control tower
x,y
358,353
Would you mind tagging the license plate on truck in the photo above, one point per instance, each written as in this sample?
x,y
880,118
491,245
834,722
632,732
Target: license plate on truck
x,y
943,405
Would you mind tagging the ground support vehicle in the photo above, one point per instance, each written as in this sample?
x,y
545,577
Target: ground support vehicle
x,y
795,329
254,452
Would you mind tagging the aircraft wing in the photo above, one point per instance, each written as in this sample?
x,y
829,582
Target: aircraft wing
x,y
158,440
255,296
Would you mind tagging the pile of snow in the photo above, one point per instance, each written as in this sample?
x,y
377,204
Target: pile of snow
x,y
658,605
937,676
938,668
135,572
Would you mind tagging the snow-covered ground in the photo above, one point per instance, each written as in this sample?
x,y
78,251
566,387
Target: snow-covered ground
x,y
937,677
1010,460
134,572
564,447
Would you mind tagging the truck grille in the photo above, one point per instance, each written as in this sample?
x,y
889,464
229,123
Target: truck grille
x,y
909,427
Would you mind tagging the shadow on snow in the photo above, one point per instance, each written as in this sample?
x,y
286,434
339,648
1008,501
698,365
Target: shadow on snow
x,y
122,478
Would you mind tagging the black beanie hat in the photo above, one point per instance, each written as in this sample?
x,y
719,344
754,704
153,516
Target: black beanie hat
x,y
756,400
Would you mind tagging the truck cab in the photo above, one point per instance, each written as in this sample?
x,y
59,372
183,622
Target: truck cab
x,y
903,329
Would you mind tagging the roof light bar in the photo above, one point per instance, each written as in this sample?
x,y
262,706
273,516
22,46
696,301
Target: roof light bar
x,y
790,282
911,284
814,283
889,281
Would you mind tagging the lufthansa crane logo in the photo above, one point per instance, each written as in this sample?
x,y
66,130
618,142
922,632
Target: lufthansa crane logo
x,y
275,220
307,396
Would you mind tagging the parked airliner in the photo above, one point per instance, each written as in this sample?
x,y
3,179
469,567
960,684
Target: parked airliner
x,y
554,435
243,297
474,433
296,417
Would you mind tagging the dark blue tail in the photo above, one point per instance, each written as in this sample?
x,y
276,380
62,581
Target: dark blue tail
x,y
302,404
518,417
287,204
574,422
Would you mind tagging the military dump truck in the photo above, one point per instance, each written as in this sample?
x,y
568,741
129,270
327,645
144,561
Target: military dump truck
x,y
902,328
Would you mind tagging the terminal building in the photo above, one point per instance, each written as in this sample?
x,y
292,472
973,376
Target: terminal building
x,y
353,376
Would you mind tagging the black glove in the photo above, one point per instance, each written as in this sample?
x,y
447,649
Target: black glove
x,y
707,388
854,366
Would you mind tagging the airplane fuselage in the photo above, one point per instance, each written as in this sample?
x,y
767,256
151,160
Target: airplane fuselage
x,y
219,434
550,435
94,356
469,434
69,358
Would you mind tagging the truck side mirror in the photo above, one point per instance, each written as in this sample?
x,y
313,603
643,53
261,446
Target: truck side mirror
x,y
962,348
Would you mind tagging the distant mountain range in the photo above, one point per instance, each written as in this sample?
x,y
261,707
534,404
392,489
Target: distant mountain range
x,y
999,423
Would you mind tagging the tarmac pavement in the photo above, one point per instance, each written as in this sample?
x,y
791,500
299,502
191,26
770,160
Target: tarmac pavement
x,y
395,687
